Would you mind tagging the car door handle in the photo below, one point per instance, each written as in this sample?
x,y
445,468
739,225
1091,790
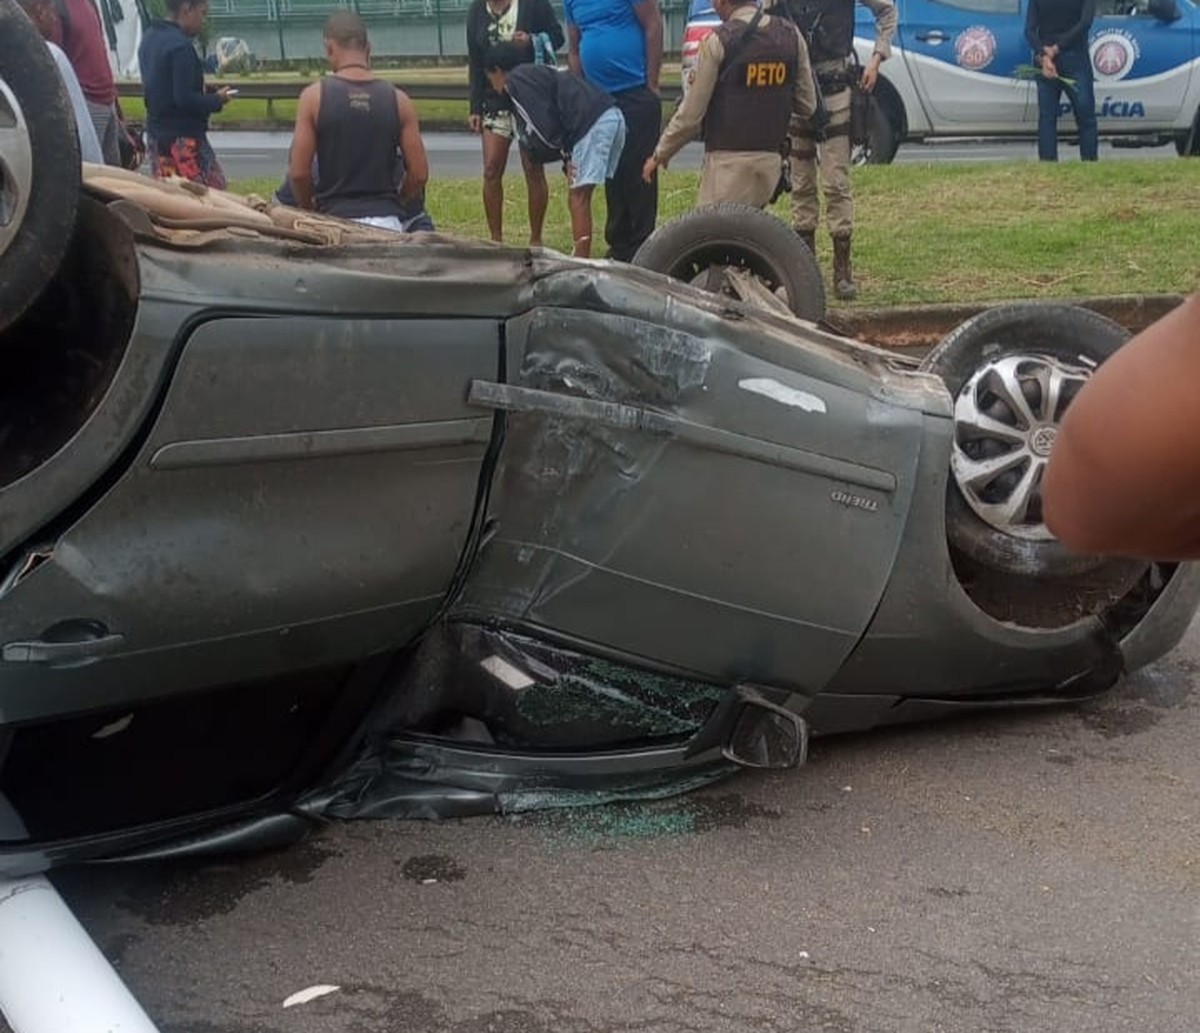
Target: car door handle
x,y
933,36
68,643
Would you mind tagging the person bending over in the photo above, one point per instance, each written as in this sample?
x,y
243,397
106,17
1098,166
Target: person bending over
x,y
560,117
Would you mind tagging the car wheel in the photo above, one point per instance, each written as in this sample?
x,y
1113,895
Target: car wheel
x,y
39,164
1013,370
714,245
1187,145
883,139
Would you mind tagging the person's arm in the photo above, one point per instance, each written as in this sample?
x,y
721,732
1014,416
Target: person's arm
x,y
183,89
804,92
1077,33
1124,476
685,123
475,76
545,20
573,61
650,17
886,19
1033,35
304,146
412,149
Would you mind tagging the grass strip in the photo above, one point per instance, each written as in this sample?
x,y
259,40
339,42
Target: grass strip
x,y
949,233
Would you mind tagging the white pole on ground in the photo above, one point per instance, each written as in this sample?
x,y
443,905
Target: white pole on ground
x,y
53,978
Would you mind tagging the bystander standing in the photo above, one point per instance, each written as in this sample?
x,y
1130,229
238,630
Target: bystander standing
x,y
1057,31
828,26
751,74
41,13
532,25
616,45
353,124
80,33
177,105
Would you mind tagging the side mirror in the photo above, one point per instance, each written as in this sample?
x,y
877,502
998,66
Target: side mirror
x,y
1163,10
765,735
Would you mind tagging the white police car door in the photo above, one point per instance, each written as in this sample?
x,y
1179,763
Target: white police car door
x,y
1143,65
961,55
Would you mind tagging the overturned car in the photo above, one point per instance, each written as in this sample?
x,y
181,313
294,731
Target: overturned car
x,y
300,519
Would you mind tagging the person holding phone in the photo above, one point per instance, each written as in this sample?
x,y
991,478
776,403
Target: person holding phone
x,y
178,106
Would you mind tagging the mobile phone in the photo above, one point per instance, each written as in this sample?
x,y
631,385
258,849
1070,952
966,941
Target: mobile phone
x,y
231,93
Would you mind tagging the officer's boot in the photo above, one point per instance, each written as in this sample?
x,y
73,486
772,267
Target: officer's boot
x,y
843,279
810,239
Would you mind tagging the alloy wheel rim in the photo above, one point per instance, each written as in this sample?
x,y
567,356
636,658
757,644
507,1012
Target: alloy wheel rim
x,y
16,167
1006,420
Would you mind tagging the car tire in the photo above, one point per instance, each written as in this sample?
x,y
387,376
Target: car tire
x,y
742,236
883,138
39,165
993,505
1187,145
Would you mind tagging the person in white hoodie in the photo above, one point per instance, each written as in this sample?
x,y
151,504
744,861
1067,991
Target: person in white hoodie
x,y
41,13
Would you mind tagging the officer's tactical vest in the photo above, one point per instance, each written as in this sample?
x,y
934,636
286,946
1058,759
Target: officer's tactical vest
x,y
752,101
827,25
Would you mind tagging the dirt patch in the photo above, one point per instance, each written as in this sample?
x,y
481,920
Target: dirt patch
x,y
916,328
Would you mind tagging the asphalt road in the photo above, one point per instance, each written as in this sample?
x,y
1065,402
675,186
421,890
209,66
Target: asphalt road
x,y
1019,873
452,155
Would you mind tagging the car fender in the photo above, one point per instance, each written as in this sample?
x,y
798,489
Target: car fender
x,y
894,76
1160,630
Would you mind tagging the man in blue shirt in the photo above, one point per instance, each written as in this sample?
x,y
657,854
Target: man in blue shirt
x,y
617,46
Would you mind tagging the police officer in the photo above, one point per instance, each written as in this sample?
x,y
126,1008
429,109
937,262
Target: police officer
x,y
751,74
828,26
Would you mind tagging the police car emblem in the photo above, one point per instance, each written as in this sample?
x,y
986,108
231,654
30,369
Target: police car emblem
x,y
1113,54
975,47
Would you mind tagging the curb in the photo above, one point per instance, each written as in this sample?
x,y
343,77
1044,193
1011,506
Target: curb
x,y
917,328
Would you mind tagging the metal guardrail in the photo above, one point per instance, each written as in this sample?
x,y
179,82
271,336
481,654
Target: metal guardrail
x,y
290,10
273,91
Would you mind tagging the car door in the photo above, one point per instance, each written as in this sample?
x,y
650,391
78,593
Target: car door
x,y
961,55
692,494
1143,64
300,502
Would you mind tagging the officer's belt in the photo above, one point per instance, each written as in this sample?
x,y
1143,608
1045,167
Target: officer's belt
x,y
835,82
842,129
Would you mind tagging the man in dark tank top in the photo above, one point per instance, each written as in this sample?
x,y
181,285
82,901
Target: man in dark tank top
x,y
353,124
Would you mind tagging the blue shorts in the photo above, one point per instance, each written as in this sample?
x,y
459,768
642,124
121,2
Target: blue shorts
x,y
596,154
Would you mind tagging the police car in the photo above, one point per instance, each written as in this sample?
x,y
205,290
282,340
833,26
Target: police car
x,y
953,72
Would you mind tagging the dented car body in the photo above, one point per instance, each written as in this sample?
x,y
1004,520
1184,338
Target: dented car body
x,y
306,521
